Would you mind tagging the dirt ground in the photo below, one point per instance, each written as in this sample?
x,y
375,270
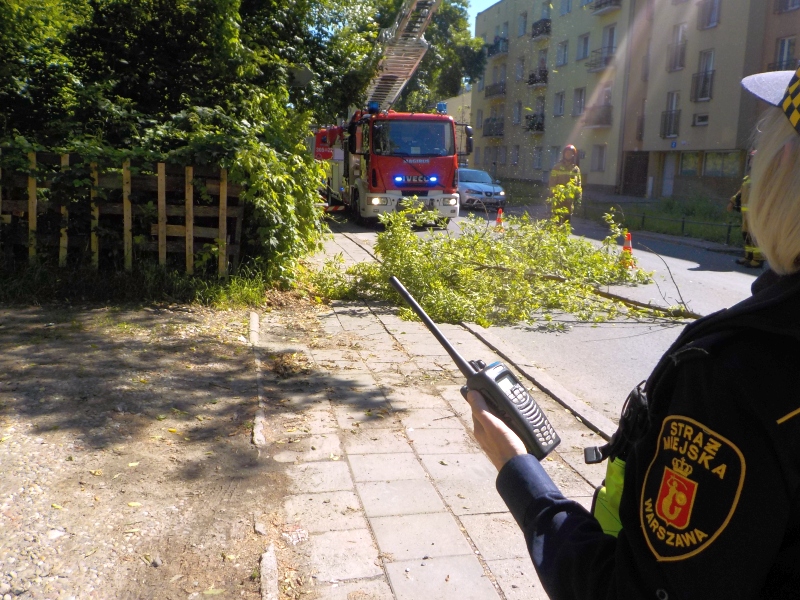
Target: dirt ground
x,y
126,463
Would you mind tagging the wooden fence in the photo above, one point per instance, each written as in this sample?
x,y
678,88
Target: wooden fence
x,y
174,195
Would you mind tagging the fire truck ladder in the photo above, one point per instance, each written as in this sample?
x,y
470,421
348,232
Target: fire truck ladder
x,y
403,48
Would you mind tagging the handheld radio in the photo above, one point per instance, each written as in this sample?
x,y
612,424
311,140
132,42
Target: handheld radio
x,y
505,395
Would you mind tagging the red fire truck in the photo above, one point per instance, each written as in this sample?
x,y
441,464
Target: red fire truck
x,y
388,156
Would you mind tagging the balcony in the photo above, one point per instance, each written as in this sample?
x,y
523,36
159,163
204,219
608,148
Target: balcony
x,y
541,29
782,6
640,128
601,7
493,127
787,64
496,89
708,14
676,56
600,59
598,116
500,46
670,120
702,86
538,77
535,122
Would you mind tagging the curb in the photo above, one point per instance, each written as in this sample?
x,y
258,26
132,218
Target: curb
x,y
269,574
259,438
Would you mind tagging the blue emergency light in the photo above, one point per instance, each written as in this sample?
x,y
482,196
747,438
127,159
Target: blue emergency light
x,y
373,107
433,179
398,179
441,108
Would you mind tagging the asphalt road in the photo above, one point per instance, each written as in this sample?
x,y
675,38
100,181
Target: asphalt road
x,y
600,364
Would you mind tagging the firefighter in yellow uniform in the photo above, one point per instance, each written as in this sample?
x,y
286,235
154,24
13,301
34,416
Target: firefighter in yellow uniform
x,y
563,172
753,259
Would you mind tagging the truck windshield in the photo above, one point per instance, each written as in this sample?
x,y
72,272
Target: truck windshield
x,y
413,138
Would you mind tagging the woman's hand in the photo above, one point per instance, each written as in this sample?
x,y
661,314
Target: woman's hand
x,y
497,440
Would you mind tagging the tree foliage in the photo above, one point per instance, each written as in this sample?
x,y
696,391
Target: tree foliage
x,y
526,271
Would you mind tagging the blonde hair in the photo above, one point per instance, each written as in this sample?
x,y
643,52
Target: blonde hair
x,y
773,215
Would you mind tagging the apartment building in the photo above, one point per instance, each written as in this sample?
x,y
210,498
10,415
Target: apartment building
x,y
647,90
698,121
555,75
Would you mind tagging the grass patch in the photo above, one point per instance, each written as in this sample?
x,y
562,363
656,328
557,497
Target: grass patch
x,y
698,218
45,284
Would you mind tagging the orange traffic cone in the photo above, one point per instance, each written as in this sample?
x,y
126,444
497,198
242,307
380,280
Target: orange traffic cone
x,y
627,251
498,224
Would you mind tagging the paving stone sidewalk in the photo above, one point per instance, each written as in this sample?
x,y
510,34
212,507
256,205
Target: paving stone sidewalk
x,y
390,493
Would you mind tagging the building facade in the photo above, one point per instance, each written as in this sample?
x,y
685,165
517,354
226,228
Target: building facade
x,y
647,90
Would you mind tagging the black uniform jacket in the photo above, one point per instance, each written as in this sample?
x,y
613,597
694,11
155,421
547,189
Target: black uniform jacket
x,y
711,502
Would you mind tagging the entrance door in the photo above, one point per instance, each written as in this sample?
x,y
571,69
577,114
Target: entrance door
x,y
670,162
634,182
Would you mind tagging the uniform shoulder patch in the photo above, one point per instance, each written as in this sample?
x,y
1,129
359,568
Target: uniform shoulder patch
x,y
691,489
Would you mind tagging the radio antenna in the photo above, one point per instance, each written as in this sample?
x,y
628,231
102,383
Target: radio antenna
x,y
462,364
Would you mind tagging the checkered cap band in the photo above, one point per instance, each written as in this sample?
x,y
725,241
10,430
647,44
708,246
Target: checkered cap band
x,y
791,101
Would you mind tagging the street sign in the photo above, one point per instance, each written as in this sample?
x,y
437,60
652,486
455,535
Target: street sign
x,y
673,145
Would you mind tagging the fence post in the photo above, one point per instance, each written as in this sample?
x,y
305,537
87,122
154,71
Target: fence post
x,y
728,235
127,215
95,243
189,188
643,215
162,214
223,222
32,208
63,242
683,225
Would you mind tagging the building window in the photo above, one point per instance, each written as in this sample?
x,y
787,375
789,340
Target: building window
x,y
538,151
522,24
517,114
519,72
583,47
784,55
676,51
566,7
477,160
786,5
599,157
578,101
700,120
708,14
501,158
722,164
555,156
561,53
479,118
586,2
546,9
480,84
558,105
514,155
487,156
690,164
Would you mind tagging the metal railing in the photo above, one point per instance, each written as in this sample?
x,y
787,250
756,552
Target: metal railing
x,y
500,46
600,59
670,123
535,122
538,77
787,64
598,7
493,127
541,28
640,221
496,89
708,13
702,86
676,56
598,116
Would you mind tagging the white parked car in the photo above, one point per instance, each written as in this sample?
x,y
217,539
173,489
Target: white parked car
x,y
477,190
